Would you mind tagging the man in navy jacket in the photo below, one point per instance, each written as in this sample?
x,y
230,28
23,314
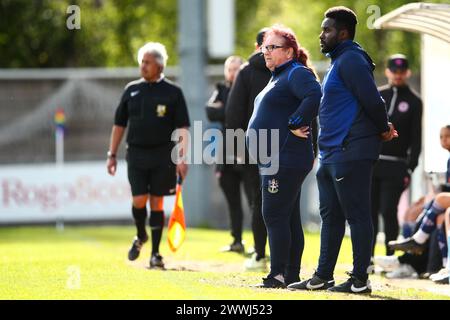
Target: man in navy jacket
x,y
353,123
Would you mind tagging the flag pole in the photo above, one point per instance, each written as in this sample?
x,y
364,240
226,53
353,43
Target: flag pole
x,y
59,119
59,146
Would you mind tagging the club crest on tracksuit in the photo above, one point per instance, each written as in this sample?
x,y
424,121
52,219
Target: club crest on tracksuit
x,y
273,186
403,106
161,110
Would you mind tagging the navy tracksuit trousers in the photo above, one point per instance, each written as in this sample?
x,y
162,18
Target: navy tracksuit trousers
x,y
344,194
281,212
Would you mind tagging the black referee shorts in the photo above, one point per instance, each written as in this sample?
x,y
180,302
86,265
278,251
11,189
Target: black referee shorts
x,y
156,181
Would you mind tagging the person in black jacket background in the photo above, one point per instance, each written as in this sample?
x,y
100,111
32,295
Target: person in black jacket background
x,y
229,178
250,81
399,157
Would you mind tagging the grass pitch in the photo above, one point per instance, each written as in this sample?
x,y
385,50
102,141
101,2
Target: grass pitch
x,y
90,263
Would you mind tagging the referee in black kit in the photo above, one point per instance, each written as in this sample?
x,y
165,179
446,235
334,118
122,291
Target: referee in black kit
x,y
152,108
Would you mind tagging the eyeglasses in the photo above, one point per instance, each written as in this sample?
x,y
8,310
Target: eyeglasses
x,y
270,48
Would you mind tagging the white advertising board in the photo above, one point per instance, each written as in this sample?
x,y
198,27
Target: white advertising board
x,y
81,191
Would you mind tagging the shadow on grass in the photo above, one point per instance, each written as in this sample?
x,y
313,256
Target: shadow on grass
x,y
376,296
171,269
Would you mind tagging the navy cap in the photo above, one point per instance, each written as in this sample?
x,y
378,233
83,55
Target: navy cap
x,y
260,36
397,62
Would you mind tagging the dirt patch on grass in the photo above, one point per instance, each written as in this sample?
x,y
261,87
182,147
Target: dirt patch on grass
x,y
193,266
382,284
379,283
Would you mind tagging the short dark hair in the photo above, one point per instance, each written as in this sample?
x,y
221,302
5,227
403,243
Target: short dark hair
x,y
260,36
345,19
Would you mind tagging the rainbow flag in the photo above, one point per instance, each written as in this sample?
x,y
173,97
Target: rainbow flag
x,y
60,118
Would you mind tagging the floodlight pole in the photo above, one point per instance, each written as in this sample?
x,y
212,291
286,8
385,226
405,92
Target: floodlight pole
x,y
192,52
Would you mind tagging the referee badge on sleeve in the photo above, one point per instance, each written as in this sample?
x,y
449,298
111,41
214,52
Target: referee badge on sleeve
x,y
273,186
161,110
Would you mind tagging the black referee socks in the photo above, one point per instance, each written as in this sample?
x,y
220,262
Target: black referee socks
x,y
139,216
156,226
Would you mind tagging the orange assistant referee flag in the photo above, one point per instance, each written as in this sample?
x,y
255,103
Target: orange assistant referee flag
x,y
177,226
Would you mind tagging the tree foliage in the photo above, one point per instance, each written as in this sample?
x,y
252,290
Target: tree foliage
x,y
33,33
305,18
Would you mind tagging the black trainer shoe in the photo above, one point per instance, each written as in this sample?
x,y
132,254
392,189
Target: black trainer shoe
x,y
136,247
156,261
291,279
314,283
407,245
353,285
272,283
234,247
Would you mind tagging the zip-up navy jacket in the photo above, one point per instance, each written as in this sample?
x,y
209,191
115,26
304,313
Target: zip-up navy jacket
x,y
291,98
352,113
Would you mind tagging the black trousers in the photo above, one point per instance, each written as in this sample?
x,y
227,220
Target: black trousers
x,y
344,195
281,194
232,176
388,184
